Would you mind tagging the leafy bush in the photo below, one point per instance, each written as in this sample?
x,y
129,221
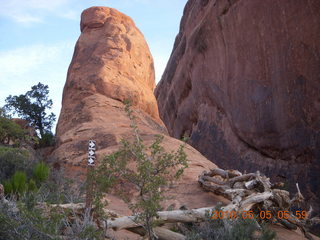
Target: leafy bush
x,y
24,219
41,172
8,187
46,140
10,131
32,186
19,184
12,160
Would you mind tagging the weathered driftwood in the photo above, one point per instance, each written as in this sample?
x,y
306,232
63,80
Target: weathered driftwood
x,y
255,192
253,199
223,173
213,180
193,215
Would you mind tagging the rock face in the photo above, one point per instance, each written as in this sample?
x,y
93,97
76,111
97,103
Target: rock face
x,y
243,81
111,58
111,63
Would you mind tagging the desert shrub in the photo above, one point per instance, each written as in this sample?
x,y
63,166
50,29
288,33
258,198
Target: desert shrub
x,y
10,131
12,160
46,140
154,169
41,172
19,184
7,186
59,189
24,219
226,229
32,186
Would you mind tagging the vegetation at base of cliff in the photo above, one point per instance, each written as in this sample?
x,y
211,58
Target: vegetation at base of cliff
x,y
32,107
154,169
19,183
226,229
10,131
29,187
25,219
41,172
46,140
31,216
12,160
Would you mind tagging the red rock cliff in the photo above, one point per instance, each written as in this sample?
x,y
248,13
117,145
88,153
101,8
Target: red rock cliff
x,y
243,81
111,63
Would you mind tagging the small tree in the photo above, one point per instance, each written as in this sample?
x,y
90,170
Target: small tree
x,y
32,107
154,168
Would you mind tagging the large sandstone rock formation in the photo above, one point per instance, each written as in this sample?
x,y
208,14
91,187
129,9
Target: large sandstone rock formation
x,y
111,63
243,81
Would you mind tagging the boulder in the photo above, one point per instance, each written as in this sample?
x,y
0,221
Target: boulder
x,y
243,81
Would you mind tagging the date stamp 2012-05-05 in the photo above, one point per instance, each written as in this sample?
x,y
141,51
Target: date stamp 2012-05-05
x,y
220,214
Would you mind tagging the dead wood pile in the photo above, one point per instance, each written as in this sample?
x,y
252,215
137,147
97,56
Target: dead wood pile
x,y
254,192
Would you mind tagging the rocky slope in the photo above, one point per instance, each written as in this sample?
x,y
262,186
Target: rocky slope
x,y
111,63
243,82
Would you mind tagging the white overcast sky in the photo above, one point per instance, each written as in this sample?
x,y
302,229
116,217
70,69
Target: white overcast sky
x,y
38,37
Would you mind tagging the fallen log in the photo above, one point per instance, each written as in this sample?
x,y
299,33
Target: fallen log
x,y
242,178
214,180
253,199
193,215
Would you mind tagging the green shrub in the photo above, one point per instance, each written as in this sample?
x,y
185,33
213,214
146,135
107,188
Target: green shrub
x,y
226,229
8,187
10,131
46,140
33,223
23,219
32,186
17,184
12,160
155,168
41,172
